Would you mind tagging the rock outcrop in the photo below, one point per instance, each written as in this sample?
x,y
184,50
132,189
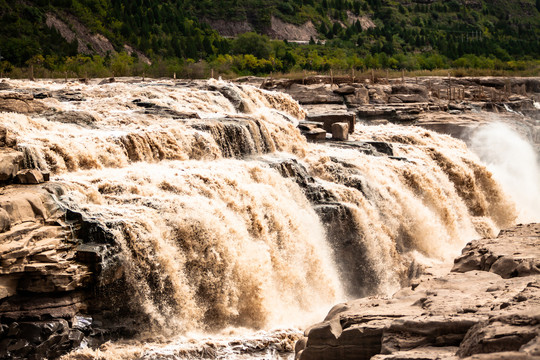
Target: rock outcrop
x,y
52,282
446,105
488,307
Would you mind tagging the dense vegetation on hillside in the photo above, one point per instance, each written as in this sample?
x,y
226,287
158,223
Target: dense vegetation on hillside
x,y
175,35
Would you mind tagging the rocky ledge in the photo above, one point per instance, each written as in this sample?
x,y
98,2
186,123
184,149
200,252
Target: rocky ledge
x,y
449,105
487,307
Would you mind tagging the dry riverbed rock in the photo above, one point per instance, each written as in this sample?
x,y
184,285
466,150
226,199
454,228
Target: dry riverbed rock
x,y
476,311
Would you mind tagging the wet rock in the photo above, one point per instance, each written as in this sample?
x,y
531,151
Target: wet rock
x,y
232,95
29,176
10,164
162,111
107,81
316,134
238,137
74,117
20,103
382,147
340,131
4,85
353,263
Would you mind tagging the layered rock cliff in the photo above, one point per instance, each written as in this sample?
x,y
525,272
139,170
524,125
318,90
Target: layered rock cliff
x,y
487,307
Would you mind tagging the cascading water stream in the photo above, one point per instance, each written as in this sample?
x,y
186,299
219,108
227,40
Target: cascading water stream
x,y
212,234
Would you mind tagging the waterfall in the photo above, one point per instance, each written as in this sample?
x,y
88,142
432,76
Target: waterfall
x,y
224,216
514,164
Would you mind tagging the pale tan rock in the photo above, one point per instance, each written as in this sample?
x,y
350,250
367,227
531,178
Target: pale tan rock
x,y
340,131
315,134
20,103
10,163
328,119
520,257
477,311
29,176
28,204
5,220
359,97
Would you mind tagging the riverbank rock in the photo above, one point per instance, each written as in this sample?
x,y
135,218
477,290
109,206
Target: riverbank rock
x,y
20,103
49,279
447,105
10,164
474,310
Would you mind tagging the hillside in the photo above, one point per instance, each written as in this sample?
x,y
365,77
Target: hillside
x,y
65,35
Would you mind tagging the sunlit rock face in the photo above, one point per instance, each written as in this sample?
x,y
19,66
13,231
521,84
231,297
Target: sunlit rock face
x,y
171,208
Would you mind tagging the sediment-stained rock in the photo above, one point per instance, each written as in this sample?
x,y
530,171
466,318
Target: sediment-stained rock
x,y
478,310
10,163
515,252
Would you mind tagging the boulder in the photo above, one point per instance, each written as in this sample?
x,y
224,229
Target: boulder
x,y
20,103
315,134
340,131
359,97
74,117
328,119
345,90
29,176
10,164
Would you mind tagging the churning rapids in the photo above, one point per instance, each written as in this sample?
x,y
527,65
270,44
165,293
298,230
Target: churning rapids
x,y
233,230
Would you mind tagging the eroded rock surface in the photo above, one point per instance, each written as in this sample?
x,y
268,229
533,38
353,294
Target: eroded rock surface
x,y
446,105
477,311
50,280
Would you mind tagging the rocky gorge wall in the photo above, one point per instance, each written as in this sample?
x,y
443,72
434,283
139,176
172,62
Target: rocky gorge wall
x,y
166,206
487,307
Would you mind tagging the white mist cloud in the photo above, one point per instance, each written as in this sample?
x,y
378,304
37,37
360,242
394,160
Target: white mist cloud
x,y
514,164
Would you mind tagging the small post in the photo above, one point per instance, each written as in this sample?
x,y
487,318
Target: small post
x,y
352,77
174,76
212,72
143,75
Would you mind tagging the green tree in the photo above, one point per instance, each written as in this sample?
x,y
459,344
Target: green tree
x,y
252,43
